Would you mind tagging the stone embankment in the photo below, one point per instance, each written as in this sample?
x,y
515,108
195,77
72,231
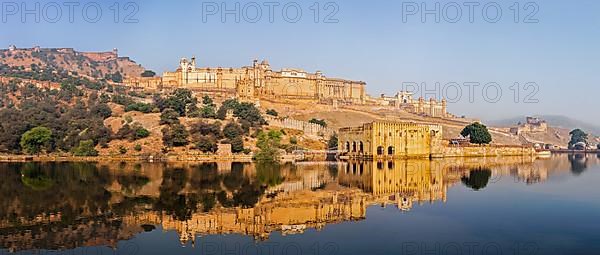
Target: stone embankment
x,y
487,151
167,158
304,126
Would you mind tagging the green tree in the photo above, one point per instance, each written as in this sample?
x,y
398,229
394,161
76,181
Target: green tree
x,y
232,131
148,73
206,100
268,144
237,144
181,100
478,133
140,107
208,108
249,112
117,77
577,136
202,128
140,132
333,142
207,143
169,116
272,112
244,111
208,112
226,105
318,122
175,135
125,132
101,110
85,149
34,140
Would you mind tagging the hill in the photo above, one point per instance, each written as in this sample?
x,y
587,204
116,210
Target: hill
x,y
557,121
28,62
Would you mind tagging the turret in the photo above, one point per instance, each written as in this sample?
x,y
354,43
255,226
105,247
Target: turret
x,y
319,74
432,105
421,106
264,65
444,108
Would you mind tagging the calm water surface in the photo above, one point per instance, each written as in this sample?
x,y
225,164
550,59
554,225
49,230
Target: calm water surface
x,y
457,206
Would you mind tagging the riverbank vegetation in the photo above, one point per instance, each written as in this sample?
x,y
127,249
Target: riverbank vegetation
x,y
80,121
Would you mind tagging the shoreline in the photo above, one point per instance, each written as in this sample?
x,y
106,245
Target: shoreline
x,y
168,158
215,158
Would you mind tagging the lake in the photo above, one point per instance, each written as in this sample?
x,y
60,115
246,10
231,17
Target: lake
x,y
450,206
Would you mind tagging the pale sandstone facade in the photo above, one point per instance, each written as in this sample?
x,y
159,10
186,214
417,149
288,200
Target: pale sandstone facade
x,y
531,125
385,140
257,81
405,100
305,126
381,139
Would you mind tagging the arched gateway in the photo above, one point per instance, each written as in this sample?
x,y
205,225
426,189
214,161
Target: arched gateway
x,y
383,139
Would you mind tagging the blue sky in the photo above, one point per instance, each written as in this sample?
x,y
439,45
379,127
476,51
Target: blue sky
x,y
370,41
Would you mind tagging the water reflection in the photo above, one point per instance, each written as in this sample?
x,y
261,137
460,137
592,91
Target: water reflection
x,y
477,178
578,163
67,205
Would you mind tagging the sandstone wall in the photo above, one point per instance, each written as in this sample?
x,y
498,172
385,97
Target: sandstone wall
x,y
307,127
487,151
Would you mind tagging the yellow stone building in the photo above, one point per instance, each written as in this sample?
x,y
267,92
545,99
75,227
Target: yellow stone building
x,y
256,81
405,100
382,139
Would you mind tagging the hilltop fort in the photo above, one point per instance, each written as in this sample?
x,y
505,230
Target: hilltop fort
x,y
314,106
89,64
259,81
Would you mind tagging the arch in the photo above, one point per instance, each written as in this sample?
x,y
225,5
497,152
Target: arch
x,y
391,150
353,146
390,165
380,150
347,146
361,147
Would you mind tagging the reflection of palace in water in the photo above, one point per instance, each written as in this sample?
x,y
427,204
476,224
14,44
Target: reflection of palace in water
x,y
101,204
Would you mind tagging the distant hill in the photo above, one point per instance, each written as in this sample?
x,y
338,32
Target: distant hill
x,y
553,121
96,65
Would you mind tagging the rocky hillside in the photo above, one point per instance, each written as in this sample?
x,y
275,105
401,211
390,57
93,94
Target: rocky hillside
x,y
358,115
558,121
96,65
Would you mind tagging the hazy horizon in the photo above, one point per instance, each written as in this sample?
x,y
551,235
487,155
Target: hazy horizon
x,y
553,57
